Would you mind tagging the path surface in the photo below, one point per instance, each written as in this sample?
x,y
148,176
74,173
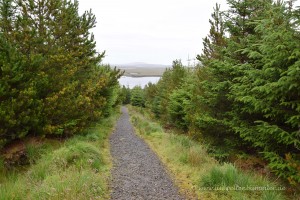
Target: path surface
x,y
137,171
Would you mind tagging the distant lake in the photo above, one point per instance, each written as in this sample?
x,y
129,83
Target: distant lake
x,y
137,81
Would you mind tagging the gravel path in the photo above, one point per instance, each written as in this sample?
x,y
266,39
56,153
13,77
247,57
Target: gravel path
x,y
138,172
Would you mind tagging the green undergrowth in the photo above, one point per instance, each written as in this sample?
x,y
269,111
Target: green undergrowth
x,y
197,174
79,168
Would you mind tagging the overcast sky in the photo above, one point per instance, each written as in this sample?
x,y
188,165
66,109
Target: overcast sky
x,y
156,31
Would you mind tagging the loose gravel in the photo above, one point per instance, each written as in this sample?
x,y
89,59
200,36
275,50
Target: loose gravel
x,y
137,173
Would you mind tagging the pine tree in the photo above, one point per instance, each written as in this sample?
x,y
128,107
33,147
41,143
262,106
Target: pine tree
x,y
216,38
20,109
213,82
51,78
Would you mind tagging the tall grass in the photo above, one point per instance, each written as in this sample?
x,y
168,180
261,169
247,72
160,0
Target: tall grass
x,y
78,154
35,151
225,175
75,170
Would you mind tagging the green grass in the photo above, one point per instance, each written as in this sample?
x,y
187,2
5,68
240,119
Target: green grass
x,y
78,169
35,152
227,177
198,174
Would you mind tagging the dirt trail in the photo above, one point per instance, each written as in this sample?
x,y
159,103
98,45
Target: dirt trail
x,y
137,173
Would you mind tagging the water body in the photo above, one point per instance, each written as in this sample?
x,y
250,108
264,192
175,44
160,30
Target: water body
x,y
137,81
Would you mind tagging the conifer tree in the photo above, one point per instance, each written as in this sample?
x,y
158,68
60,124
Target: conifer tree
x,y
268,92
20,109
245,93
216,37
51,78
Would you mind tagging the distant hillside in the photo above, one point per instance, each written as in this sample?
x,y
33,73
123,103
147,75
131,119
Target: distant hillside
x,y
139,69
141,64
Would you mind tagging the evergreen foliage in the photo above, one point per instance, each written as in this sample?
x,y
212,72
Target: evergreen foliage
x,y
245,93
51,79
125,95
137,97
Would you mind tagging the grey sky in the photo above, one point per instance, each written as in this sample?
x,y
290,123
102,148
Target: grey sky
x,y
156,31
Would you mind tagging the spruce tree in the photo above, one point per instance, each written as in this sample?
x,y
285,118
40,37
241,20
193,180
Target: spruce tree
x,y
268,92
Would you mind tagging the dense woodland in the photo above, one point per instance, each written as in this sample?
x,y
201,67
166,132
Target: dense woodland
x,y
51,79
244,96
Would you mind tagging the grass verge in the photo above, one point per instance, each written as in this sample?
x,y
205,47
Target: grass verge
x,y
77,169
197,174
